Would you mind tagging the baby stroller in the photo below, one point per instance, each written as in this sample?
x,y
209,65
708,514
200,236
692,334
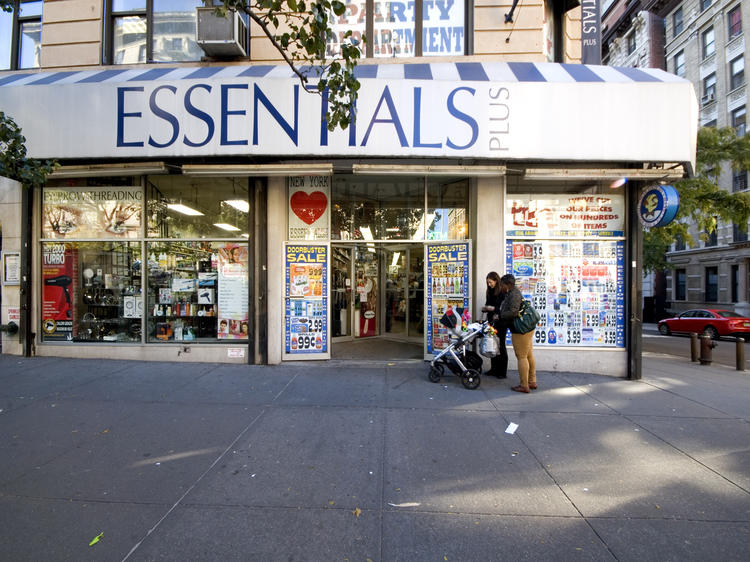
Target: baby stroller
x,y
457,357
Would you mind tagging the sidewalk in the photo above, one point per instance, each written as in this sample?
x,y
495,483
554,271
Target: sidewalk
x,y
345,461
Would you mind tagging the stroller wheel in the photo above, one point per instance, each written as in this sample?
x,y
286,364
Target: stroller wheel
x,y
471,379
436,372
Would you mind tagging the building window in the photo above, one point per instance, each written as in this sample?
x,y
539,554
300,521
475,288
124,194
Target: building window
x,y
396,31
712,238
677,22
734,21
739,234
737,72
705,4
163,33
679,64
711,123
735,282
712,284
709,88
631,43
21,43
708,45
739,180
679,243
738,121
680,285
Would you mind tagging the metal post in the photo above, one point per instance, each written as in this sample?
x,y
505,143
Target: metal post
x,y
740,354
694,347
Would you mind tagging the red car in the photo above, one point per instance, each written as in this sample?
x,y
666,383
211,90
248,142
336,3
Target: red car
x,y
710,321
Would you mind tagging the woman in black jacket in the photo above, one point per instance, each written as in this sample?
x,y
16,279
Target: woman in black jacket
x,y
499,363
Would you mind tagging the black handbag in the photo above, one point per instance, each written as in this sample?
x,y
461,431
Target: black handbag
x,y
527,318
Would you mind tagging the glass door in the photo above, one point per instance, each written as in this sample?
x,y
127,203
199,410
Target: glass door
x,y
415,301
341,292
395,261
367,286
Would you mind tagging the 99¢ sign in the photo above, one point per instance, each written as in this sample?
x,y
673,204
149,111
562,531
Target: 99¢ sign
x,y
306,301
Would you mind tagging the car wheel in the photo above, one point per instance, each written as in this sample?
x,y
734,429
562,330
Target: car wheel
x,y
711,332
664,330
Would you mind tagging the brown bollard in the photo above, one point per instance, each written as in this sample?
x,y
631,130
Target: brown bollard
x,y
740,354
694,347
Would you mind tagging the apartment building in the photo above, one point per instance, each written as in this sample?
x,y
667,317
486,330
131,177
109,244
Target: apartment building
x,y
203,211
707,45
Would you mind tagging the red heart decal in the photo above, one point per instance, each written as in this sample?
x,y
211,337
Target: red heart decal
x,y
309,207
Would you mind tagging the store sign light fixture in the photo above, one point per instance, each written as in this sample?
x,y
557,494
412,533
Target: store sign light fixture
x,y
239,204
226,226
184,209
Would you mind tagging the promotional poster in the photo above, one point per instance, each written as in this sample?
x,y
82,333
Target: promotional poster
x,y
59,291
448,283
306,301
309,198
232,298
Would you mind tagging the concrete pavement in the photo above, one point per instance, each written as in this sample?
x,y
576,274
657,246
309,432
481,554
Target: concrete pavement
x,y
370,461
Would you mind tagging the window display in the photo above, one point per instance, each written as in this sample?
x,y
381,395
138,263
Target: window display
x,y
91,291
567,253
198,291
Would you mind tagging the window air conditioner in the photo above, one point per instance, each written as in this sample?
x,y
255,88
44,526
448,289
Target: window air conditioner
x,y
708,98
221,37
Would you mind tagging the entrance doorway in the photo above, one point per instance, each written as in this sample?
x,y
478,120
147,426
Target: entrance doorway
x,y
377,291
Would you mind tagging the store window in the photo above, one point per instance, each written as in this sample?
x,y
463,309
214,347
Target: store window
x,y
21,36
737,72
708,44
566,247
734,21
679,64
677,22
397,31
680,285
91,290
181,276
158,31
198,269
393,208
712,284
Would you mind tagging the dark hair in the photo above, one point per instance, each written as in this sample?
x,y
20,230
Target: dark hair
x,y
496,289
508,279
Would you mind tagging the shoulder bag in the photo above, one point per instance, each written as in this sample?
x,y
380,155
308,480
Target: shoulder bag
x,y
527,318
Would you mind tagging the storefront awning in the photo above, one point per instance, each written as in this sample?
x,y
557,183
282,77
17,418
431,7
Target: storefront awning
x,y
478,110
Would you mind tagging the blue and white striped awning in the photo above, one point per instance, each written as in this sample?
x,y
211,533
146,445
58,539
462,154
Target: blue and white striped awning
x,y
455,72
472,109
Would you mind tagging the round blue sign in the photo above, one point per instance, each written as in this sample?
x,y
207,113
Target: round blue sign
x,y
658,205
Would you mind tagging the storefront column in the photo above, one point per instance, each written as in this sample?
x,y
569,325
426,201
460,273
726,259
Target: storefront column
x,y
10,228
277,209
488,242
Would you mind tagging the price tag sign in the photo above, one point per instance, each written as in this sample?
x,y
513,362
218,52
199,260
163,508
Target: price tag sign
x,y
306,302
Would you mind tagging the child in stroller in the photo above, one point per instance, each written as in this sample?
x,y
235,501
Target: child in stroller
x,y
460,360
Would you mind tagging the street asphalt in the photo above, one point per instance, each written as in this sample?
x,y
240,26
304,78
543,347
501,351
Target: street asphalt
x,y
358,461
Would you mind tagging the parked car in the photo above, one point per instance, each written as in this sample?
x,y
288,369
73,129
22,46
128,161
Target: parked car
x,y
710,321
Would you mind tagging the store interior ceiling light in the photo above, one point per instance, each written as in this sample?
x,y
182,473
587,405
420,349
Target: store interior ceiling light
x,y
245,235
241,170
239,204
611,174
427,170
102,170
396,255
225,226
184,209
